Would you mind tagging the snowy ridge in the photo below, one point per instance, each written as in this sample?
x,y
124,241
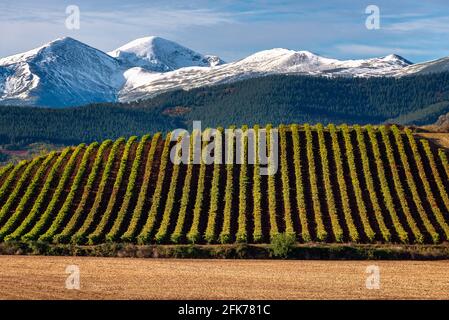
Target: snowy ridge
x,y
275,61
66,72
62,72
161,55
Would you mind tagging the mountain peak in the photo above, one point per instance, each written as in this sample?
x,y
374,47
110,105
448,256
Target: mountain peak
x,y
161,55
65,39
397,58
62,72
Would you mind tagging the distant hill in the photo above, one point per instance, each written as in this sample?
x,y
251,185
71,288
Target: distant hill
x,y
272,99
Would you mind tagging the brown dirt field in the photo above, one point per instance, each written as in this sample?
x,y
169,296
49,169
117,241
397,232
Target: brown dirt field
x,y
40,277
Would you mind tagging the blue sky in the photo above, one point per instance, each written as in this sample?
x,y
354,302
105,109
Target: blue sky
x,y
417,30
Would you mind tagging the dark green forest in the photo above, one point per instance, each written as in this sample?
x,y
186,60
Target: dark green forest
x,y
271,99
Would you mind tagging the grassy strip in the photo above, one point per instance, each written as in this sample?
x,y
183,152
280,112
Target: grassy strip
x,y
309,251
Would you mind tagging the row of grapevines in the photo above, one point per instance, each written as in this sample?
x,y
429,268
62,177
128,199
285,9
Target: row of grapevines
x,y
435,173
146,232
241,235
353,234
12,199
444,161
386,235
412,186
178,232
300,200
130,233
161,234
11,179
39,202
5,170
66,233
399,188
194,234
289,229
330,200
81,235
209,235
272,208
321,232
424,180
386,192
17,215
47,216
65,209
225,234
356,185
257,195
98,234
114,233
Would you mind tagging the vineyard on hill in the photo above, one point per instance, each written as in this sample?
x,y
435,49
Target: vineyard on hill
x,y
333,184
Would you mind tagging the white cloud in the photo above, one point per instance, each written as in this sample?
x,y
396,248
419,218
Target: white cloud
x,y
133,15
25,27
434,25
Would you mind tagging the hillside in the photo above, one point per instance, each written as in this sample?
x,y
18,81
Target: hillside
x,y
272,99
334,184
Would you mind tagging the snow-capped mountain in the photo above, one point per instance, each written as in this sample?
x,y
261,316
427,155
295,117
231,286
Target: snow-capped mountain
x,y
66,72
63,72
141,84
161,55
